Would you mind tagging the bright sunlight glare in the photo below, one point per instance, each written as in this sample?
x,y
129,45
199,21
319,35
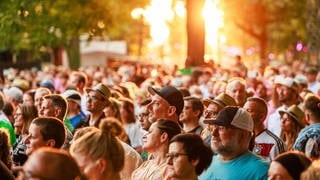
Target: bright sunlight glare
x,y
161,12
157,14
213,17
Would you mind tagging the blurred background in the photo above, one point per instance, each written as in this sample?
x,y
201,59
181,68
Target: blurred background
x,y
185,33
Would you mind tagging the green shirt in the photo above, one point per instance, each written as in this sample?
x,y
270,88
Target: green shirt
x,y
68,124
10,130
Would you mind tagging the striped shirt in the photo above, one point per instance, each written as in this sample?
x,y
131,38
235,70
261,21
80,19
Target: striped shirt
x,y
268,145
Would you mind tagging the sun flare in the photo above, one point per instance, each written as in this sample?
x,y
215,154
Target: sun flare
x,y
159,13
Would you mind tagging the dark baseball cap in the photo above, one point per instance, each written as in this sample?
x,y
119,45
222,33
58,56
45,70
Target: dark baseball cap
x,y
171,94
233,116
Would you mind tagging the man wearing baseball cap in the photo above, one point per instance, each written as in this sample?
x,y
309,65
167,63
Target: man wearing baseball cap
x,y
231,132
166,103
212,108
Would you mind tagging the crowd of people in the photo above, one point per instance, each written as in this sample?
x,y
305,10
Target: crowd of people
x,y
149,122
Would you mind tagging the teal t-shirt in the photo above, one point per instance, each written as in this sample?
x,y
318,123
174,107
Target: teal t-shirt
x,y
10,130
246,166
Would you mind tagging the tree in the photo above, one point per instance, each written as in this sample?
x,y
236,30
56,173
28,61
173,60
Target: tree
x,y
195,33
280,23
55,24
313,28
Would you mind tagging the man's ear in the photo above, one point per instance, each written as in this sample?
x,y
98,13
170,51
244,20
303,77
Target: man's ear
x,y
172,110
51,143
164,137
102,165
245,134
307,117
57,111
263,117
195,162
196,113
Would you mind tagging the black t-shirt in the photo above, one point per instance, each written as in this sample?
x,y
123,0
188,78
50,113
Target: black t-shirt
x,y
19,156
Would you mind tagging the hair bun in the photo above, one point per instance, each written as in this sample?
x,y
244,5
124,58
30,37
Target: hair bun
x,y
112,126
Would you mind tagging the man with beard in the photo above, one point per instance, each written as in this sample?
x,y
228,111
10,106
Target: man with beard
x,y
231,133
288,93
97,99
212,108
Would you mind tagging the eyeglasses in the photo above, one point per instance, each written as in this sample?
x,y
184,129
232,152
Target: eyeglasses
x,y
284,119
175,155
210,114
94,98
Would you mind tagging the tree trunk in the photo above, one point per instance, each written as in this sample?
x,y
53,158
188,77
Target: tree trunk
x,y
263,45
313,29
195,33
57,56
73,51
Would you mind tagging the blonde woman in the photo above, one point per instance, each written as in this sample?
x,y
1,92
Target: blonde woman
x,y
99,154
132,158
156,143
313,172
291,124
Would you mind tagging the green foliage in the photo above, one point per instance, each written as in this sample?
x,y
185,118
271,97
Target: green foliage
x,y
282,21
39,25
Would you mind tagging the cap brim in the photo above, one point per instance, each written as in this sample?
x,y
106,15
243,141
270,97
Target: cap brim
x,y
208,121
74,100
152,91
212,121
216,121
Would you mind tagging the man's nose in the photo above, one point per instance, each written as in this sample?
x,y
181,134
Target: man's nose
x,y
27,141
169,160
213,130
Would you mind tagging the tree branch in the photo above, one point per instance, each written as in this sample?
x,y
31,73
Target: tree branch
x,y
250,31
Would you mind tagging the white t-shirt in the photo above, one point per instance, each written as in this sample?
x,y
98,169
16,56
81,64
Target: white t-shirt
x,y
274,124
135,134
268,145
